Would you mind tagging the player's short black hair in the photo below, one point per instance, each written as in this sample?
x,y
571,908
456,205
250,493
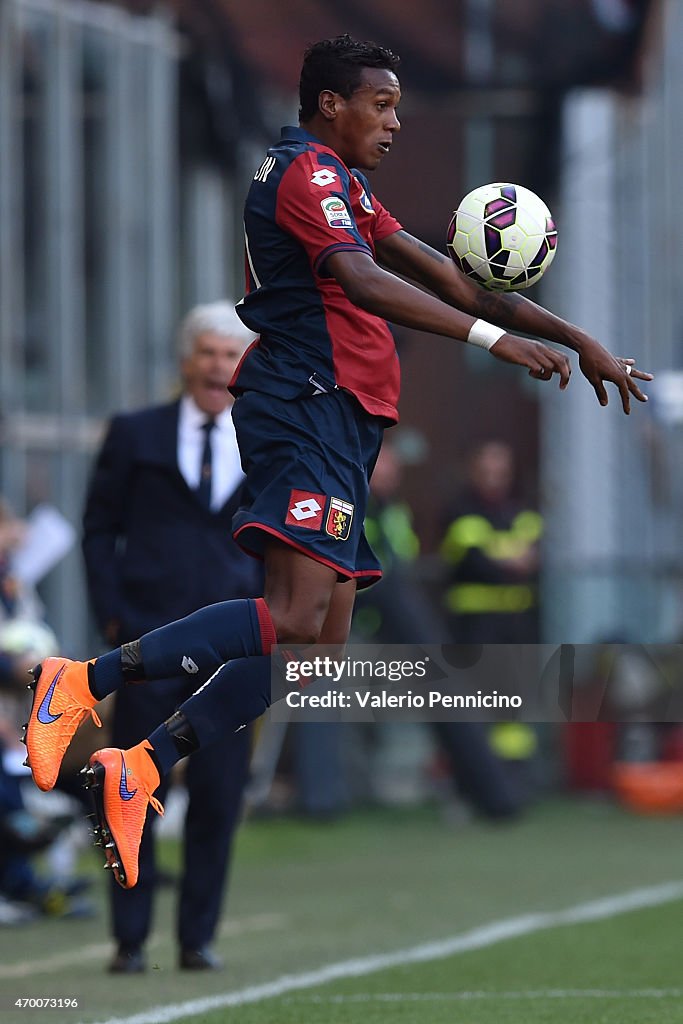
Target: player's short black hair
x,y
336,64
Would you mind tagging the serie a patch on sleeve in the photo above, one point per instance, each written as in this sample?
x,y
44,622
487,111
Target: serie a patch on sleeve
x,y
336,212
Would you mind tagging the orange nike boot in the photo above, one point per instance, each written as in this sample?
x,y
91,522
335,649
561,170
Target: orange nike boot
x,y
122,783
61,700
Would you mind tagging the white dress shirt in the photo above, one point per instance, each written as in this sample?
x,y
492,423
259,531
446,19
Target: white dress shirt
x,y
226,472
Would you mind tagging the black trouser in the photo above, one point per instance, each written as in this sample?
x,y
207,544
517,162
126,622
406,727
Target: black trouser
x,y
215,778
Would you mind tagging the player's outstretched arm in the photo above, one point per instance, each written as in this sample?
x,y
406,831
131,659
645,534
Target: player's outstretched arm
x,y
412,258
385,295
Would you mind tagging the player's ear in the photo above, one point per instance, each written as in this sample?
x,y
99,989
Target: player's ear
x,y
328,104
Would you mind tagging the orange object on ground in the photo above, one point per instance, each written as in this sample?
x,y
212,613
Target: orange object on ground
x,y
650,787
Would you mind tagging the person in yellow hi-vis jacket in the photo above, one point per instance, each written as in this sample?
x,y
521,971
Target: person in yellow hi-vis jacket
x,y
490,549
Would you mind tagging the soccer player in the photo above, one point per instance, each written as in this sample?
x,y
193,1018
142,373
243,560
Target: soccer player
x,y
314,395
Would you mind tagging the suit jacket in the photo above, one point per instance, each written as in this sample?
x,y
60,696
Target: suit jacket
x,y
152,552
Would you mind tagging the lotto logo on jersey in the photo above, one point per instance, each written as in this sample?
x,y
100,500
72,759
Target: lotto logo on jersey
x,y
305,509
339,519
323,177
336,212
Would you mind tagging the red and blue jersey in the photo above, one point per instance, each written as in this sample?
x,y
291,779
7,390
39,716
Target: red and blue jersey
x,y
303,205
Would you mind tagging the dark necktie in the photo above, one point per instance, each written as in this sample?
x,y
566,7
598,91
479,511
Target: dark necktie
x,y
204,488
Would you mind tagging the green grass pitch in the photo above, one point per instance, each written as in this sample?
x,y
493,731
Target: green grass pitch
x,y
304,896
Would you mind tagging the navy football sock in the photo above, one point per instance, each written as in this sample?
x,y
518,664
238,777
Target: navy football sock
x,y
104,676
196,645
166,753
239,692
234,696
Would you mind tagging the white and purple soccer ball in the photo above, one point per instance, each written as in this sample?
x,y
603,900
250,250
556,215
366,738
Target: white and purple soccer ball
x,y
502,236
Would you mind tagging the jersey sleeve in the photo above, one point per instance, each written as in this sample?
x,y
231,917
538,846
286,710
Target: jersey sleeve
x,y
385,223
314,206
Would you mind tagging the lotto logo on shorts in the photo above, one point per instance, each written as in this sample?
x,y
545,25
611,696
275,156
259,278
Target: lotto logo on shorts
x,y
339,519
305,509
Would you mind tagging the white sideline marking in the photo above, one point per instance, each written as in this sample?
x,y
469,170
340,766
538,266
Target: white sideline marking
x,y
28,968
477,938
456,997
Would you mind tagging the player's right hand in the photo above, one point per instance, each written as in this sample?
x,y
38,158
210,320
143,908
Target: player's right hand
x,y
542,361
598,365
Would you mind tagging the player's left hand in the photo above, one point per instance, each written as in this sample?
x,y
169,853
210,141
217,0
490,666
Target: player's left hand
x,y
598,366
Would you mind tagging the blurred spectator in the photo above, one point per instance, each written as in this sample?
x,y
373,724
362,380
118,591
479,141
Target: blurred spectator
x,y
22,835
490,548
24,640
393,611
157,546
19,607
491,552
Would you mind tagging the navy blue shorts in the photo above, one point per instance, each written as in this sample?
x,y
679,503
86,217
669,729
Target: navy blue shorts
x,y
308,462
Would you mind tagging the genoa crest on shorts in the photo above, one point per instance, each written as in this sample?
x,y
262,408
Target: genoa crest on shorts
x,y
339,519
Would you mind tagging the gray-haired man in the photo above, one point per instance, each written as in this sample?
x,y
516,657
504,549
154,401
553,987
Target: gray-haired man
x,y
157,546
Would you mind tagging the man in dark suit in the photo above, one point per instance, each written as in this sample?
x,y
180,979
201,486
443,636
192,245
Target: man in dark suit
x,y
157,546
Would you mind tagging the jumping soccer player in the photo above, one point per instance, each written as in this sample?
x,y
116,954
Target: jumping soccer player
x,y
314,395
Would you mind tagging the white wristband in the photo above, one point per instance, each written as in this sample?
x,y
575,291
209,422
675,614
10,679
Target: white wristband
x,y
484,335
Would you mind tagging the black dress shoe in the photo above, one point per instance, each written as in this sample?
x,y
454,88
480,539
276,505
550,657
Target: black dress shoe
x,y
199,960
128,960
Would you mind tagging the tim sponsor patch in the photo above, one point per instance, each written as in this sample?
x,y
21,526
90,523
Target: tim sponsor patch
x,y
339,519
336,212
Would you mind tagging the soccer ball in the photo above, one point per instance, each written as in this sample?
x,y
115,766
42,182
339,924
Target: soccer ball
x,y
502,236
